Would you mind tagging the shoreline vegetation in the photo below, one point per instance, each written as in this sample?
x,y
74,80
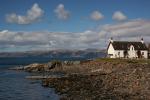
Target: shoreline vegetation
x,y
99,79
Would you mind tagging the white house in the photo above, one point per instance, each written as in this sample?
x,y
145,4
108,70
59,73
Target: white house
x,y
126,49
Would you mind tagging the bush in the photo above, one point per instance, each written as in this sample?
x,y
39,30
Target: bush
x,y
55,63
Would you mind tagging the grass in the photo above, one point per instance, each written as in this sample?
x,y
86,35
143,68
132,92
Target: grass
x,y
120,60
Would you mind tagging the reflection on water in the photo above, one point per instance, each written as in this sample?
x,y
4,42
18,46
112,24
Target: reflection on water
x,y
14,86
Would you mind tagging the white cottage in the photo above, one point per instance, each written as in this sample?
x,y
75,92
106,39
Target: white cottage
x,y
126,49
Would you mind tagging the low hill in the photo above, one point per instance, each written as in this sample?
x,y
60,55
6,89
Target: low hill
x,y
88,53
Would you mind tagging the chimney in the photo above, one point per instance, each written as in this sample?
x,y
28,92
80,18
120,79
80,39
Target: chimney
x,y
142,40
111,40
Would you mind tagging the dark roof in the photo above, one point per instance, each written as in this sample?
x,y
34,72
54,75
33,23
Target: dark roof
x,y
124,45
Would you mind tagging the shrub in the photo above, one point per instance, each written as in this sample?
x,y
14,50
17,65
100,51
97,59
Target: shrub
x,y
55,63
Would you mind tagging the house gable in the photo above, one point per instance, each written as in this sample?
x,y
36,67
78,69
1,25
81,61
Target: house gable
x,y
131,48
110,50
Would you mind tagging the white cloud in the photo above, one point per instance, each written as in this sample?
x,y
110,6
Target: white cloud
x,y
96,15
33,14
61,12
119,16
130,30
52,40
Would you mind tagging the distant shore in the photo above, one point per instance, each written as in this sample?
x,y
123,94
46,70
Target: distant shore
x,y
97,79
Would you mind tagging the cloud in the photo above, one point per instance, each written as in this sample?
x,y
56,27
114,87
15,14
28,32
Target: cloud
x,y
61,12
96,15
32,15
119,16
130,30
97,38
49,40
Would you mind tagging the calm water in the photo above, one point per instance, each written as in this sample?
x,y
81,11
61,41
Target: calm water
x,y
29,60
14,86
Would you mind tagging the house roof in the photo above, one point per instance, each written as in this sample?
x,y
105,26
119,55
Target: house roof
x,y
124,45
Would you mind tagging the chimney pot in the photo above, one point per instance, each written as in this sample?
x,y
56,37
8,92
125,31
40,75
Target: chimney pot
x,y
142,40
111,40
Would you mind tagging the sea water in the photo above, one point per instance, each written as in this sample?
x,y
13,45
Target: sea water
x,y
14,85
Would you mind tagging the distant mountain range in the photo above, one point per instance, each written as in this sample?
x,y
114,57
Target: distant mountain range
x,y
87,53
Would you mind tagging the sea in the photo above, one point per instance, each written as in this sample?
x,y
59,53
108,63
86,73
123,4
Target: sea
x,y
14,85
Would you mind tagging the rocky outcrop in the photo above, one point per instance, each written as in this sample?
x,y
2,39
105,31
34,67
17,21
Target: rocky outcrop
x,y
54,65
105,80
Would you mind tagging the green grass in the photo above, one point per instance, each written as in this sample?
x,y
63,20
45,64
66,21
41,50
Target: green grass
x,y
117,60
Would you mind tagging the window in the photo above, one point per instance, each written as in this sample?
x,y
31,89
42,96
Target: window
x,y
110,54
119,53
132,48
142,53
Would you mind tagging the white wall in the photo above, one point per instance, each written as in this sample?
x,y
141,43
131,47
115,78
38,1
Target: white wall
x,y
111,51
145,53
119,53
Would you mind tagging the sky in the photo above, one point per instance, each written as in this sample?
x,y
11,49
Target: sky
x,y
71,24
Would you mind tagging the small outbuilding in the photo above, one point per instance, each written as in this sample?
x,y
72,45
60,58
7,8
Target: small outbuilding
x,y
127,49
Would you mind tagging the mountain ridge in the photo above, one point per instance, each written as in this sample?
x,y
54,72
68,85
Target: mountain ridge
x,y
55,53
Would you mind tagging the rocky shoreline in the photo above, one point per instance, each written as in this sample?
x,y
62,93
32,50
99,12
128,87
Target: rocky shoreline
x,y
100,79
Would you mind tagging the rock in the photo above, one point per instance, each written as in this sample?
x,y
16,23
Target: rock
x,y
17,68
120,81
35,67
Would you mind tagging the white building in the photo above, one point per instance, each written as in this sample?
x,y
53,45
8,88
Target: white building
x,y
126,49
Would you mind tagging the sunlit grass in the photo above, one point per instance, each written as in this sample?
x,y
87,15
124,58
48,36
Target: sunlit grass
x,y
120,60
